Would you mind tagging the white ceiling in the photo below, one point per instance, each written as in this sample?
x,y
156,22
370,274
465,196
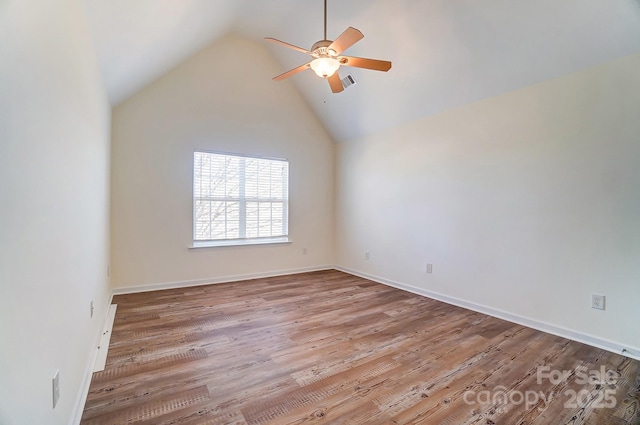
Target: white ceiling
x,y
445,53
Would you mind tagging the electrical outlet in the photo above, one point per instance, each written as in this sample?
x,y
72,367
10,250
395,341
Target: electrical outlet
x,y
56,388
597,301
366,255
429,268
91,308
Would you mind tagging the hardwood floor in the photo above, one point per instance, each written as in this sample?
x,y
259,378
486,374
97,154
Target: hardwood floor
x,y
328,347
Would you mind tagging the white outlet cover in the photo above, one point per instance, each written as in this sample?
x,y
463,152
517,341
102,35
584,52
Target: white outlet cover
x,y
598,301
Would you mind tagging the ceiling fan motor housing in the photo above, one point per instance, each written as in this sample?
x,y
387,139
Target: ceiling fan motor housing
x,y
320,49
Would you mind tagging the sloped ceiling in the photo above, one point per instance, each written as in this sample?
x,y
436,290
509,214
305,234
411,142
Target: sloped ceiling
x,y
445,53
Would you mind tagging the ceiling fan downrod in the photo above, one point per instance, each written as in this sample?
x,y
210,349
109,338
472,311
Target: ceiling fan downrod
x,y
325,19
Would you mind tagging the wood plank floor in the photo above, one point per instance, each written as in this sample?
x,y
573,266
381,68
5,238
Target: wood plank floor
x,y
328,347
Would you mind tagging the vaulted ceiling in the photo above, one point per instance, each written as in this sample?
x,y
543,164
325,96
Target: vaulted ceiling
x,y
445,53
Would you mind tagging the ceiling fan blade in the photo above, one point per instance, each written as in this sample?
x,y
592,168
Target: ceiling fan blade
x,y
348,38
291,72
282,43
375,64
335,82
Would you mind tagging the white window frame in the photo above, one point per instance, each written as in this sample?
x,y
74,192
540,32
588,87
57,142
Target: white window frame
x,y
242,201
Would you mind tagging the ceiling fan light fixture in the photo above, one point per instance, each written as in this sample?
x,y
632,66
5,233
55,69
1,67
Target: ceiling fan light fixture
x,y
325,67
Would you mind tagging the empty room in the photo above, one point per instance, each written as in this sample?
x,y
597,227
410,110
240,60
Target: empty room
x,y
319,212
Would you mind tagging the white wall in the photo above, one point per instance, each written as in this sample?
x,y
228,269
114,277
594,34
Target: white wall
x,y
221,99
54,150
526,202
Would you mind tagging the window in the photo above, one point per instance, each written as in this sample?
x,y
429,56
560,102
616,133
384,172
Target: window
x,y
239,199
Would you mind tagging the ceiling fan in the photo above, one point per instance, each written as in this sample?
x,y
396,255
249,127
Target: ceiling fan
x,y
327,56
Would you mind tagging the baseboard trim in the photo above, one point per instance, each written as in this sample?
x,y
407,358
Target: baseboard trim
x,y
214,280
614,347
88,375
105,339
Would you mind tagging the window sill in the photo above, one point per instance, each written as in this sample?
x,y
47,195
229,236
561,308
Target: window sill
x,y
239,242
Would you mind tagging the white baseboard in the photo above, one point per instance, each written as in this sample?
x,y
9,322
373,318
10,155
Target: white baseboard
x,y
105,339
614,347
84,390
214,280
